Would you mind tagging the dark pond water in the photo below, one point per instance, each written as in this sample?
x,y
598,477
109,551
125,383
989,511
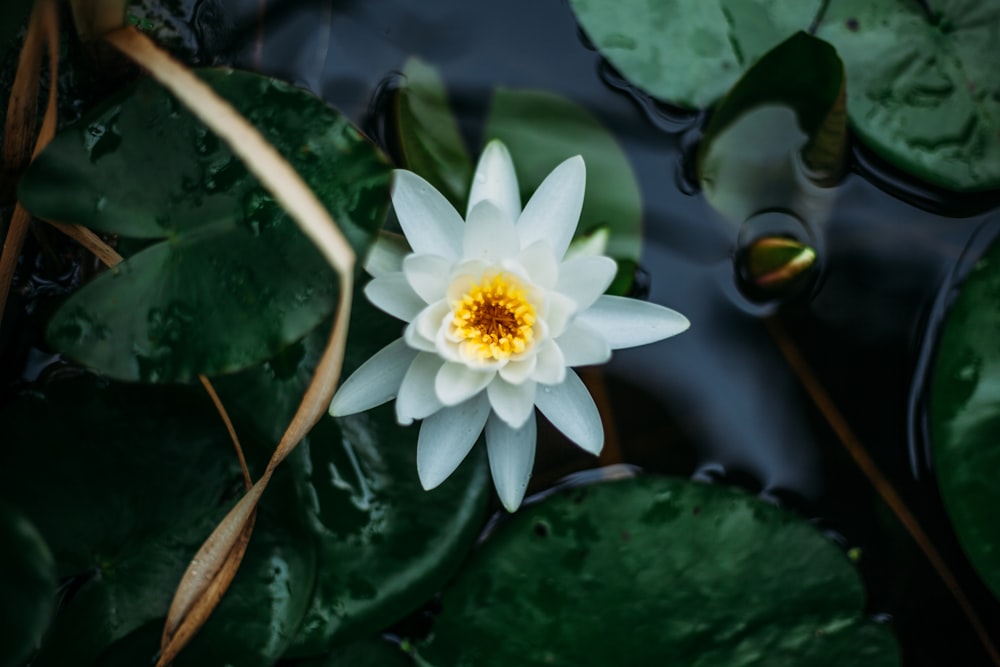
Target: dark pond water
x,y
718,402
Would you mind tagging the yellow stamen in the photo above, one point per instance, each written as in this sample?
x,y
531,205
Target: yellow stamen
x,y
494,319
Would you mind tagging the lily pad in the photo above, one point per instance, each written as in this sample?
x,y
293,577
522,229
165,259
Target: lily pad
x,y
229,280
965,416
365,653
28,582
689,52
541,130
922,89
657,571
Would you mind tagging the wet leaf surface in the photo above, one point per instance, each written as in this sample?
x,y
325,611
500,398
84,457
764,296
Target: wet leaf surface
x,y
922,86
690,574
230,280
364,653
965,416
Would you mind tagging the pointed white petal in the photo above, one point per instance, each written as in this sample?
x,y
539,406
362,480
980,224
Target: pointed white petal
x,y
392,293
430,223
560,310
456,382
446,438
512,455
375,382
551,366
416,398
553,212
513,403
496,181
428,276
571,410
540,264
585,278
490,235
582,346
516,372
386,254
629,322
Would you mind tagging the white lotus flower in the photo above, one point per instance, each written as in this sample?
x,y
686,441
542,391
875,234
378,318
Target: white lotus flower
x,y
495,319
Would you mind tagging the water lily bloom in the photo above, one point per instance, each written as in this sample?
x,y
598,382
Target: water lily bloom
x,y
496,317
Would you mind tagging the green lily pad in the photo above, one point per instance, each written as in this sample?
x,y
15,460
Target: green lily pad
x,y
922,88
689,52
230,280
365,653
965,416
28,582
657,571
541,130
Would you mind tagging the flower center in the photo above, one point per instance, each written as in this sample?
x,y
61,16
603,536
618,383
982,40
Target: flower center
x,y
493,320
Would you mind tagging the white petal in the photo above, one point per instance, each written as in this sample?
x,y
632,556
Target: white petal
x,y
519,370
560,310
375,382
422,333
512,455
496,181
392,293
446,438
582,346
428,275
571,410
595,243
416,398
629,322
585,278
513,403
431,224
456,382
386,254
553,212
490,235
551,366
540,264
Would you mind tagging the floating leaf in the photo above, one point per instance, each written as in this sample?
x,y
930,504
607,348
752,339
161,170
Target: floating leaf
x,y
656,571
922,88
28,582
541,130
365,653
965,416
230,280
689,52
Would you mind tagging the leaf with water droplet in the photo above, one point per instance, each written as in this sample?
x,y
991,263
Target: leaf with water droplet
x,y
657,571
229,279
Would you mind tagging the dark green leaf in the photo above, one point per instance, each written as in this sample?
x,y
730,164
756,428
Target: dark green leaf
x,y
689,52
922,89
231,279
28,582
656,571
965,416
365,653
13,16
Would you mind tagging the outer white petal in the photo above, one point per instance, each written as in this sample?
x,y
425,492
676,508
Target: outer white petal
x,y
582,346
553,212
386,254
446,437
428,275
392,293
513,403
512,455
628,322
416,398
422,332
490,235
551,366
560,311
456,382
540,264
571,410
518,371
585,278
431,224
375,382
496,181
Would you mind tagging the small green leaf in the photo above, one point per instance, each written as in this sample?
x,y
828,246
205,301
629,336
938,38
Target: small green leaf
x,y
230,279
28,582
541,130
965,416
689,52
922,87
656,571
